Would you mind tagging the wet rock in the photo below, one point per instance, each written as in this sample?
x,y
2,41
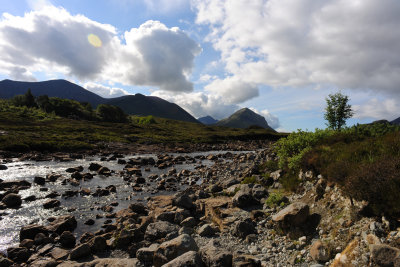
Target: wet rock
x,y
384,255
12,200
42,239
188,259
94,167
80,252
146,255
18,254
244,228
104,171
62,223
87,236
244,197
67,239
169,250
4,262
159,230
98,244
30,231
293,215
319,252
30,198
74,169
89,222
39,180
138,208
206,230
51,203
3,167
52,195
214,256
27,243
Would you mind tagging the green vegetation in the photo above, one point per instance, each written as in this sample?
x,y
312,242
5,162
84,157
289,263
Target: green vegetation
x,y
66,125
276,199
364,160
250,180
337,111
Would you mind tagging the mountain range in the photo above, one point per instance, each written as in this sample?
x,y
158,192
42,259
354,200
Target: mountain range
x,y
131,104
137,104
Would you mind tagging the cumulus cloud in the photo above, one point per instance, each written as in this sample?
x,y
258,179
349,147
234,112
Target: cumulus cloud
x,y
232,89
21,74
377,109
105,91
53,40
272,120
297,43
166,6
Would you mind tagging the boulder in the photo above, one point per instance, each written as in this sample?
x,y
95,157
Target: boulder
x,y
39,180
189,222
214,256
12,200
244,228
94,167
104,262
384,255
319,252
244,197
80,252
146,255
98,244
159,230
62,223
183,200
4,262
206,230
258,191
67,239
18,254
59,253
138,208
3,167
188,259
169,250
27,243
292,216
51,203
30,231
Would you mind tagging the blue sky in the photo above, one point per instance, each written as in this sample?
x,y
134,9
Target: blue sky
x,y
279,57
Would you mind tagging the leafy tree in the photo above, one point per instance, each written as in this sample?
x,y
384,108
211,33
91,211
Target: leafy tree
x,y
337,111
30,99
26,100
111,113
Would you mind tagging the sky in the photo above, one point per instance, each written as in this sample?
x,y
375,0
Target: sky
x,y
280,58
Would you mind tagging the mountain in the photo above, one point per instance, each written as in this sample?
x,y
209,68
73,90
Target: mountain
x,y
244,118
53,88
131,104
207,120
396,121
150,105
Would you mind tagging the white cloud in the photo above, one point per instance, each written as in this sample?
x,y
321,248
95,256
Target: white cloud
x,y
52,40
166,6
377,109
344,43
272,120
21,74
105,91
233,90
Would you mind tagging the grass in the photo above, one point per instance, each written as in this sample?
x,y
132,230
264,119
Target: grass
x,y
25,129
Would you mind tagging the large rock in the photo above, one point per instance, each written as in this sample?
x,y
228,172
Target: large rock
x,y
105,262
206,230
244,197
30,231
18,254
183,200
97,244
292,216
258,191
169,250
213,255
62,223
4,262
12,200
384,255
146,255
80,252
67,239
244,228
319,252
188,259
51,203
159,230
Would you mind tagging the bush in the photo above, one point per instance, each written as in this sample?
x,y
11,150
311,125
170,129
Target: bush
x,y
111,113
275,200
144,120
250,180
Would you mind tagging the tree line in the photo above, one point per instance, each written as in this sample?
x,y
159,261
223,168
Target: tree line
x,y
70,108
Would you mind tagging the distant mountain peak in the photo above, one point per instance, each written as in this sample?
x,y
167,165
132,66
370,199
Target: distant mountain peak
x,y
207,120
244,118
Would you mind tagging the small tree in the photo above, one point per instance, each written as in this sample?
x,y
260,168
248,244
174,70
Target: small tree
x,y
337,111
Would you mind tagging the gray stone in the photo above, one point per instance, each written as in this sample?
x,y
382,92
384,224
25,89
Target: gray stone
x,y
169,250
244,197
319,252
80,252
384,255
12,200
214,256
293,215
67,239
244,228
146,255
159,230
188,259
206,230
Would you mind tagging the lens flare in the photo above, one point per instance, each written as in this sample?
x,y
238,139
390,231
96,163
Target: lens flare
x,y
94,40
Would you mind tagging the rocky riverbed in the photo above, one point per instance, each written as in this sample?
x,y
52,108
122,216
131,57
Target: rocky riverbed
x,y
181,209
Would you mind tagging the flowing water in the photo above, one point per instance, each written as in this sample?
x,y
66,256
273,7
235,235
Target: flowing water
x,y
82,207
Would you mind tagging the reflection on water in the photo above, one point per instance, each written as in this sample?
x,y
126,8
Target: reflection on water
x,y
82,207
